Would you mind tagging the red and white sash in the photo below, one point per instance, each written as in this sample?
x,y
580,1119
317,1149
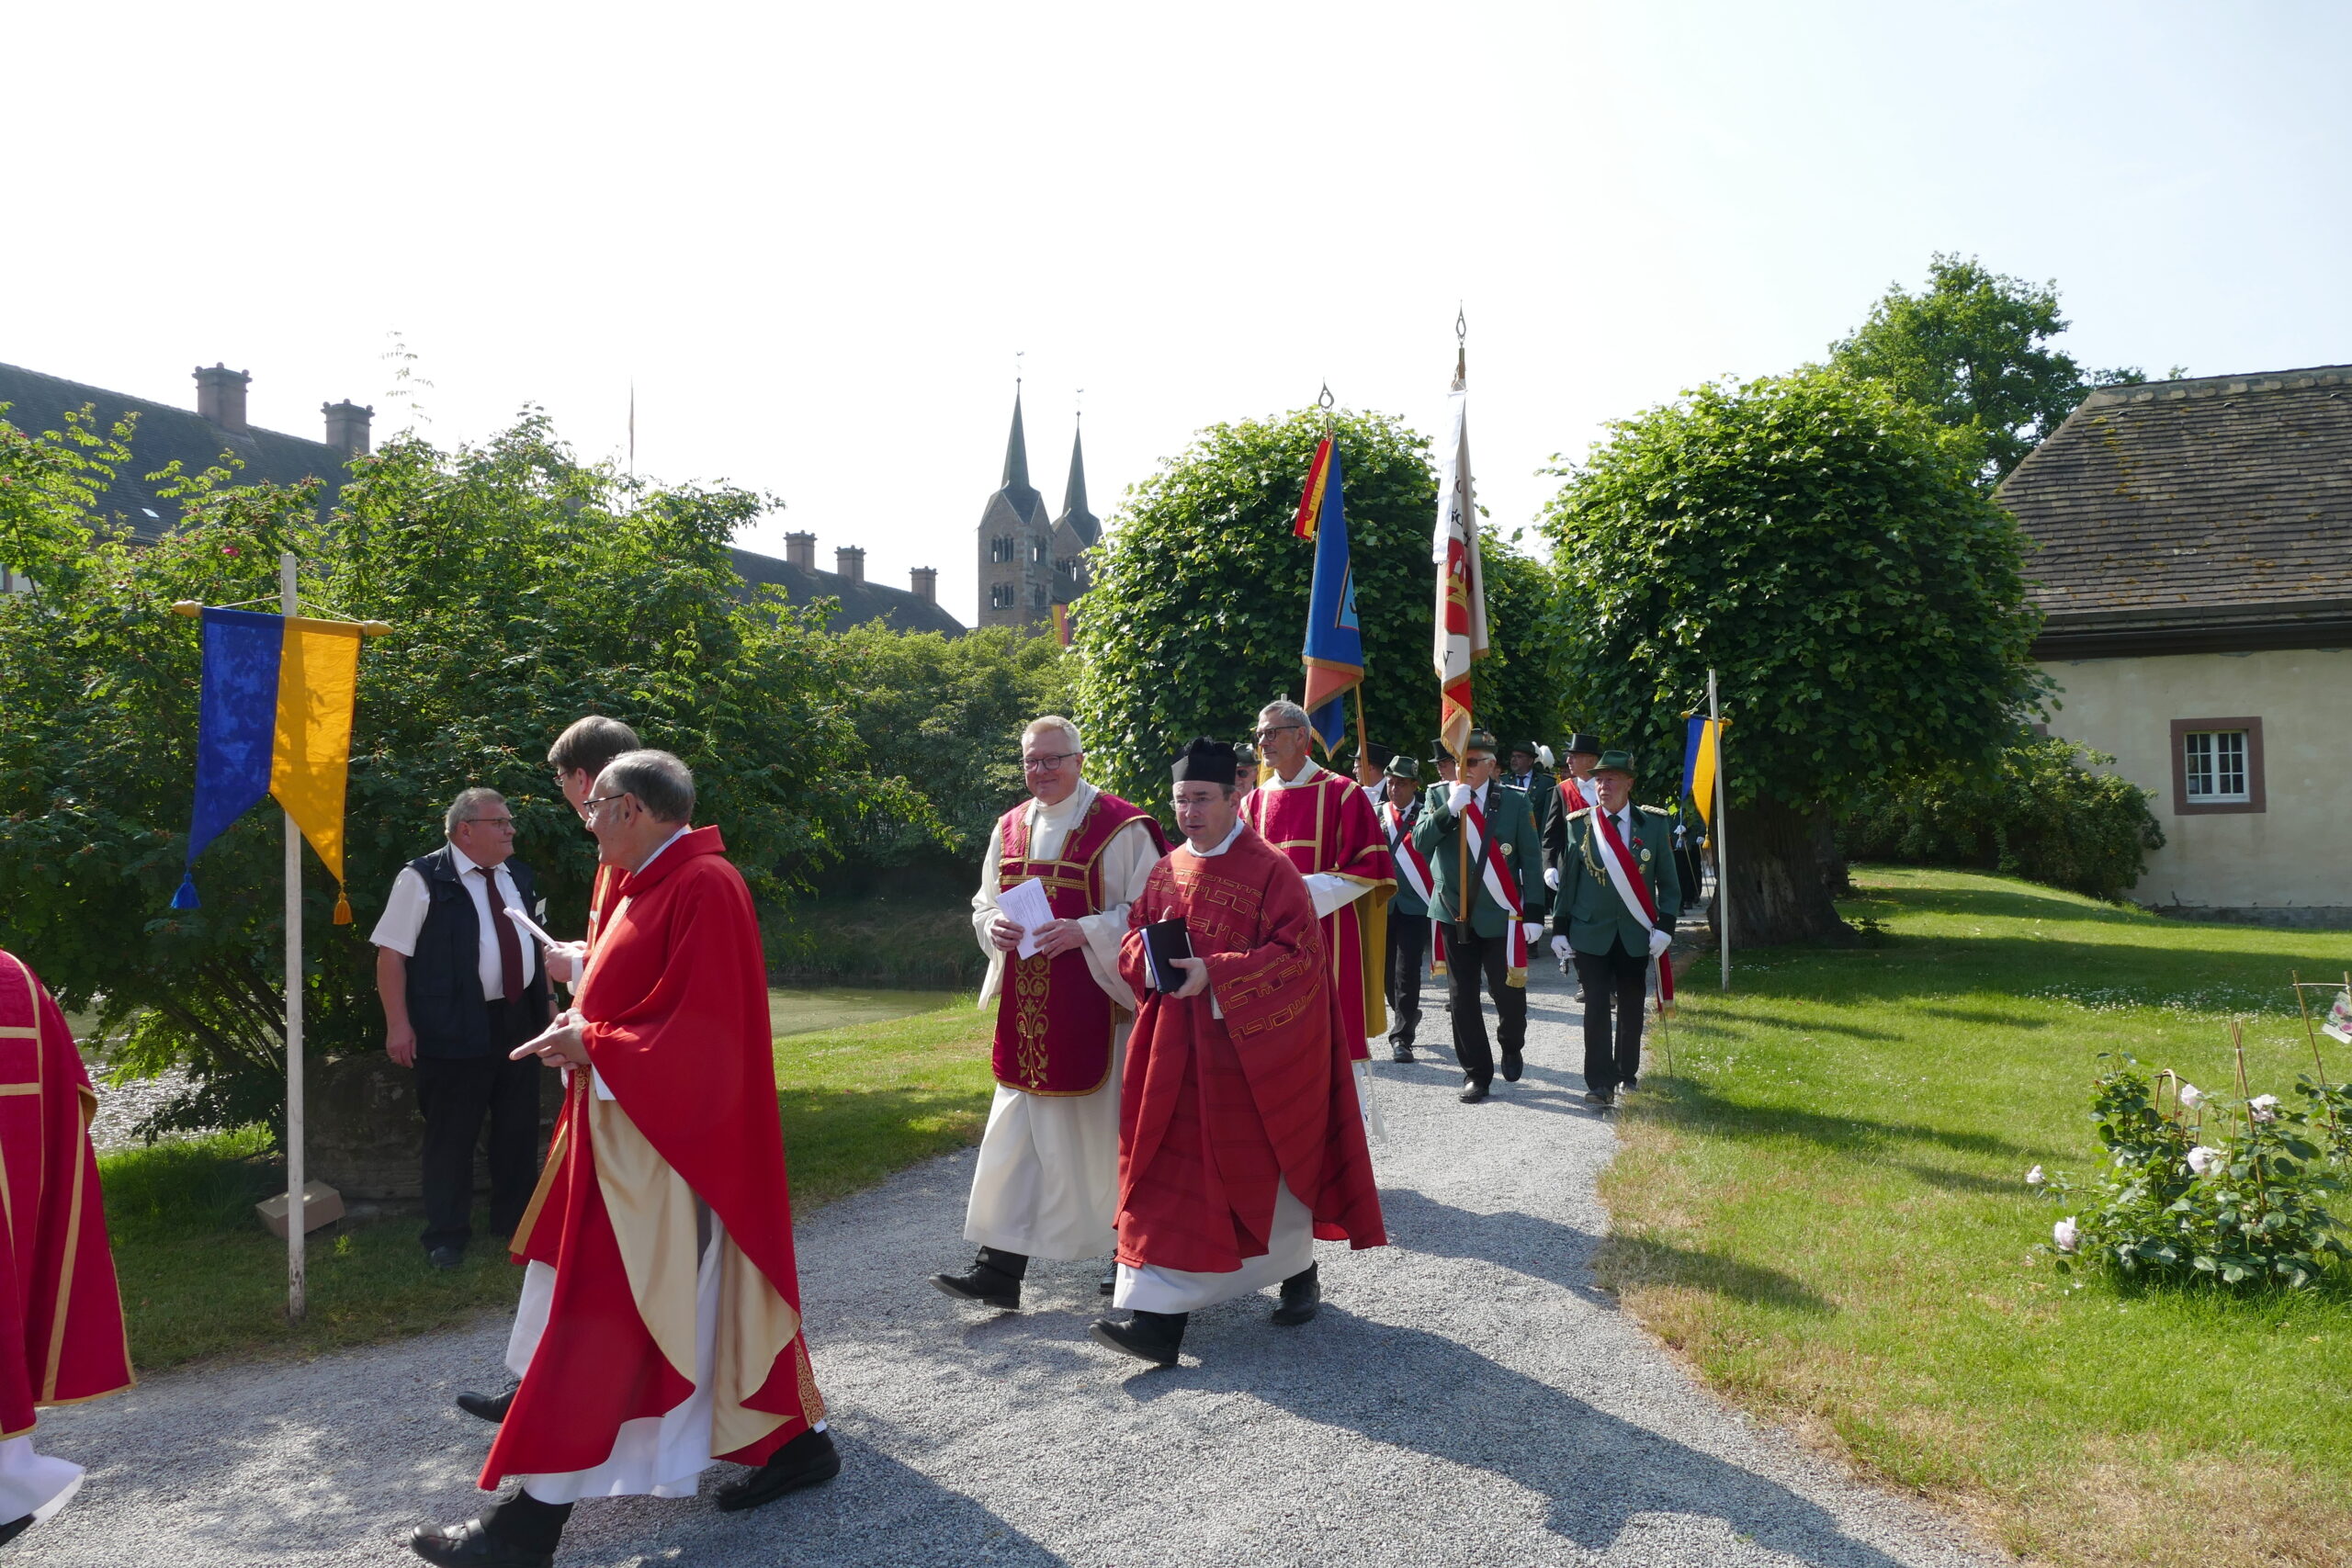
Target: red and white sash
x,y
1633,890
1411,864
1502,887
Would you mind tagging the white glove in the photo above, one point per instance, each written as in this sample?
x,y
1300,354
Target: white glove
x,y
1552,878
1463,795
1533,931
1560,948
1660,942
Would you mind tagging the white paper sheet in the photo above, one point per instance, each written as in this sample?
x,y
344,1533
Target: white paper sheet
x,y
1026,907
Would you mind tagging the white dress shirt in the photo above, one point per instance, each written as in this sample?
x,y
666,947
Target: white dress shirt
x,y
403,917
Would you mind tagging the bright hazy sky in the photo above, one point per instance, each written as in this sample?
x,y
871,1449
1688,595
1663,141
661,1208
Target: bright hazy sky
x,y
816,235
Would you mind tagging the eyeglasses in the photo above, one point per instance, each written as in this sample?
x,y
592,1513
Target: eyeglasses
x,y
1043,765
491,821
595,801
1278,729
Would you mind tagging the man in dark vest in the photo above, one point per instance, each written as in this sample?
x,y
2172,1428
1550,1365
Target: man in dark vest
x,y
461,986
1613,911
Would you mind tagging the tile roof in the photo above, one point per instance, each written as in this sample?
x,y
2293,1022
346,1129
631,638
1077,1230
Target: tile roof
x,y
2194,515
860,602
40,403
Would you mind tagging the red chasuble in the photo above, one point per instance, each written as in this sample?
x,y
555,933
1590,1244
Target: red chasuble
x,y
1330,826
1054,1024
675,1014
58,1302
1215,1112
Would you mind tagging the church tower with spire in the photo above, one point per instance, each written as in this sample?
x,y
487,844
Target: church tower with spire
x,y
1017,543
1075,531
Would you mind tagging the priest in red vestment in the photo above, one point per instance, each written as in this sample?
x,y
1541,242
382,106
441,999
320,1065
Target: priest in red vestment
x,y
64,1318
659,1327
1325,824
1239,1137
579,756
1047,1181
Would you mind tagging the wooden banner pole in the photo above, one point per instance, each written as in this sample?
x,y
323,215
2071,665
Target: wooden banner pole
x,y
296,1231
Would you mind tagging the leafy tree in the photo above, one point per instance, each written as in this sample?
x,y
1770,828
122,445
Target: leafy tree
x,y
524,588
2041,814
944,715
1821,544
1970,348
1199,604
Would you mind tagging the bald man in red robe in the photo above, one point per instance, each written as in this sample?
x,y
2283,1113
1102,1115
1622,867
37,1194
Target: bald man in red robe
x,y
660,1326
58,1305
1239,1137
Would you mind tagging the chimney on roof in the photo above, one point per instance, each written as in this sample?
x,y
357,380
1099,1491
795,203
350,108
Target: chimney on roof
x,y
347,427
220,396
925,580
800,550
850,562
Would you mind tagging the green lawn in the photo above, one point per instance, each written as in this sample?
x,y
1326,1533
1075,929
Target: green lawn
x,y
201,1277
1825,1210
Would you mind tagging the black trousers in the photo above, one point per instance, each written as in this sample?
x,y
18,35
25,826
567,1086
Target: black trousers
x,y
1409,947
1616,984
454,1094
1471,959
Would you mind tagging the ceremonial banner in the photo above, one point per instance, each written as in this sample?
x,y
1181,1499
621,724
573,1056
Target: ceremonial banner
x,y
1699,761
274,718
1061,625
1461,582
1334,651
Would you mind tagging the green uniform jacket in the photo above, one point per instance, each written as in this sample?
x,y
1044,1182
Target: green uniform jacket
x,y
1404,901
1543,793
1438,836
1586,908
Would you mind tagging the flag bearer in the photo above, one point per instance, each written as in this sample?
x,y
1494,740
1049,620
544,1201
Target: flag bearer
x,y
1614,911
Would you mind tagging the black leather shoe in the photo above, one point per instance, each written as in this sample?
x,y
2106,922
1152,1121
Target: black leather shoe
x,y
1511,1064
1629,1086
1302,1298
446,1257
1473,1093
1153,1337
806,1460
489,1407
13,1528
473,1547
1600,1097
994,1280
1401,1053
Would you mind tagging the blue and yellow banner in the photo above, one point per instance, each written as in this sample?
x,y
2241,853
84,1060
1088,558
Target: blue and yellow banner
x,y
1699,763
274,719
1334,640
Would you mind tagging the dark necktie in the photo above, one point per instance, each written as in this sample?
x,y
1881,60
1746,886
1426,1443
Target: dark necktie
x,y
509,945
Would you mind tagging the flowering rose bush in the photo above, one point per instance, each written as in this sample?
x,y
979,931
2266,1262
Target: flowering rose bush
x,y
2239,1197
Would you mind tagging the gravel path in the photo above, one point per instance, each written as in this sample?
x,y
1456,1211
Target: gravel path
x,y
1467,1397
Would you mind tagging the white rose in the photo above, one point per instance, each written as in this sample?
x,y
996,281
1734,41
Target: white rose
x,y
2263,1108
2065,1234
2202,1159
2034,1177
2191,1097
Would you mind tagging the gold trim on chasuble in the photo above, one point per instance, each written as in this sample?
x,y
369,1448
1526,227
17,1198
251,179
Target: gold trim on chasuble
x,y
657,1222
1030,980
1367,980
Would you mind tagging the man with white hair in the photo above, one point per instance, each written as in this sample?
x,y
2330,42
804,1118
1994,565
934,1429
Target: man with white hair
x,y
1325,825
460,988
1047,1181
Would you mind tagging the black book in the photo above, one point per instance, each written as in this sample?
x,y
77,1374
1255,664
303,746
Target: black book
x,y
1164,941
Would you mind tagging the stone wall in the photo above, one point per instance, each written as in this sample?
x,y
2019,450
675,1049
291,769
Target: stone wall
x,y
364,1136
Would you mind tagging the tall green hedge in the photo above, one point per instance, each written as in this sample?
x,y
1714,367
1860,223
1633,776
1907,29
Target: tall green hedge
x,y
2045,814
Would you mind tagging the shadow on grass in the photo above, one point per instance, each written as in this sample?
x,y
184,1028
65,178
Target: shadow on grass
x,y
1545,1250
1983,1017
838,1140
1693,1101
1747,1019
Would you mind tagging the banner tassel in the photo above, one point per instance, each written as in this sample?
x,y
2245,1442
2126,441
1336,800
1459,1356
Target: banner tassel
x,y
341,907
186,897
